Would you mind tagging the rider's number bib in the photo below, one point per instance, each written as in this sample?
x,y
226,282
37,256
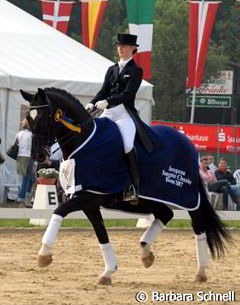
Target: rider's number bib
x,y
67,176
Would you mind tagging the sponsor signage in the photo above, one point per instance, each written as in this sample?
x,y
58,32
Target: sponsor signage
x,y
220,85
210,101
215,93
210,138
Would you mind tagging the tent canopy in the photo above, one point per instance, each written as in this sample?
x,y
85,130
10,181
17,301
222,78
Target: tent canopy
x,y
36,54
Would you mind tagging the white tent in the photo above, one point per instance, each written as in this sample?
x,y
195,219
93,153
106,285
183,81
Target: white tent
x,y
34,55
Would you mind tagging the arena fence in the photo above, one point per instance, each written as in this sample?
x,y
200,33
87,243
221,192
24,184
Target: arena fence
x,y
24,213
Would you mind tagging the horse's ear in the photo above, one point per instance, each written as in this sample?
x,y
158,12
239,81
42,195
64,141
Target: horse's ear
x,y
27,96
41,93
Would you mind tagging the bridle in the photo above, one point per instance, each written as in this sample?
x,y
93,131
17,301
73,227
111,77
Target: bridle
x,y
58,116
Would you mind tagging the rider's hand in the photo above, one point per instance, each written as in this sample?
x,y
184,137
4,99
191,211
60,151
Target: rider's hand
x,y
89,106
101,105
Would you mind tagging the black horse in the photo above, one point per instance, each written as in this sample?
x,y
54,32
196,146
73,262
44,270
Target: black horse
x,y
94,148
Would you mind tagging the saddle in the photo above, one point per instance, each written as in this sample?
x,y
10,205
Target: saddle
x,y
141,132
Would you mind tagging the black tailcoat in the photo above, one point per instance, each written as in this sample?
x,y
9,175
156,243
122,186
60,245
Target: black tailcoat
x,y
121,88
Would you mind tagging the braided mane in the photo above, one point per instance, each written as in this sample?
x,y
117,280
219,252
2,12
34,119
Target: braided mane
x,y
68,101
63,94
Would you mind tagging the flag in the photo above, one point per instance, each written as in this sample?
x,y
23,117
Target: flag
x,y
57,14
140,17
201,21
92,12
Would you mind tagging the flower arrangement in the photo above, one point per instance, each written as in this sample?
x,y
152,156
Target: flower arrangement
x,y
48,173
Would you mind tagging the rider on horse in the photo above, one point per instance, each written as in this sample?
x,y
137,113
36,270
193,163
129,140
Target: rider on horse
x,y
117,96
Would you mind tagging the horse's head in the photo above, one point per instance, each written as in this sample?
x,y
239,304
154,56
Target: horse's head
x,y
56,114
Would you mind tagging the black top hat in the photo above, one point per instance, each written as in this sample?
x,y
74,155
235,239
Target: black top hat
x,y
127,39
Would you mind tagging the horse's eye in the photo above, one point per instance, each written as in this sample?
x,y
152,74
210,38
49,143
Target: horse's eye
x,y
33,114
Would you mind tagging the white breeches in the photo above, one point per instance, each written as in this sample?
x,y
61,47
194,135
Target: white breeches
x,y
125,124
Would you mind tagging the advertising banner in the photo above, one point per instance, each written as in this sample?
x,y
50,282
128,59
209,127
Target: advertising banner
x,y
209,138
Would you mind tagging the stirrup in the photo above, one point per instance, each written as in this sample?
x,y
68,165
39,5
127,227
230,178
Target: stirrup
x,y
131,195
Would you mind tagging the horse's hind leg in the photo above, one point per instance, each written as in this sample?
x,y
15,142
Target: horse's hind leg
x,y
162,215
147,239
201,246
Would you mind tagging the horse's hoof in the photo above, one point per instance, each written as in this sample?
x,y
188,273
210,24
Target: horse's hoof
x,y
201,278
104,280
148,260
44,260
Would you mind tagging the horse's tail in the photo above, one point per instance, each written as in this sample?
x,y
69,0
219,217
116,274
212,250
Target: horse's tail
x,y
216,231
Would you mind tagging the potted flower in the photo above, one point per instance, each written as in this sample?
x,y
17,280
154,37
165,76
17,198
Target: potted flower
x,y
47,176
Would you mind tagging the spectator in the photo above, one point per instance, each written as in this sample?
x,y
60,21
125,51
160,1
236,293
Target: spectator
x,y
213,185
211,163
24,162
55,155
52,161
222,172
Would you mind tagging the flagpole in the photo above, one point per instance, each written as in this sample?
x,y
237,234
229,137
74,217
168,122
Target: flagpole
x,y
194,88
193,105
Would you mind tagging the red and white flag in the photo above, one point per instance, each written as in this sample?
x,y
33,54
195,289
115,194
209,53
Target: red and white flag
x,y
201,21
57,14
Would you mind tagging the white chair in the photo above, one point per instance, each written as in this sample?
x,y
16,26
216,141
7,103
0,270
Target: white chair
x,y
236,175
216,200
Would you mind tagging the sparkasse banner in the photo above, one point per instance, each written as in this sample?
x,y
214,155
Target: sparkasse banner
x,y
210,138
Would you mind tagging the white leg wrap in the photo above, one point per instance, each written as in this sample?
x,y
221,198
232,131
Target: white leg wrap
x,y
109,260
202,250
52,230
45,250
152,232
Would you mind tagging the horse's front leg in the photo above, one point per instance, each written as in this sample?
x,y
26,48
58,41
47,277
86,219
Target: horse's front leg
x,y
107,252
45,252
90,204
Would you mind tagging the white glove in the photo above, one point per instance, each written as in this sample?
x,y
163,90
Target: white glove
x,y
101,105
89,106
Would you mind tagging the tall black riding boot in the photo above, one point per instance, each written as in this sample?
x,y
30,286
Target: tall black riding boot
x,y
134,174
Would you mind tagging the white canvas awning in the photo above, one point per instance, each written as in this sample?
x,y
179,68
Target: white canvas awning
x,y
34,55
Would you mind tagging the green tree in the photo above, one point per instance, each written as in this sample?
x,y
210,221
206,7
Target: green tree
x,y
115,21
170,52
170,46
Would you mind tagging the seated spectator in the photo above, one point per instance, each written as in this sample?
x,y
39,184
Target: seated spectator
x,y
222,172
213,185
211,163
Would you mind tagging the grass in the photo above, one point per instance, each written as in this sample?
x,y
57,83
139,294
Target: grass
x,y
128,223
